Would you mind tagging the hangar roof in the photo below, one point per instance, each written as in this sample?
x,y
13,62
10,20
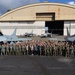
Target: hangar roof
x,y
41,11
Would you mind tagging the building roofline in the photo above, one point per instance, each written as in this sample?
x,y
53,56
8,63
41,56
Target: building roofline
x,y
38,4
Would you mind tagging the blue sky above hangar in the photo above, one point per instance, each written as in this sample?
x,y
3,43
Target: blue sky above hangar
x,y
61,1
11,4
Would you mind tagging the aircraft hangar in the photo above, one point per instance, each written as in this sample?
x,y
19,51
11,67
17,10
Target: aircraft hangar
x,y
55,16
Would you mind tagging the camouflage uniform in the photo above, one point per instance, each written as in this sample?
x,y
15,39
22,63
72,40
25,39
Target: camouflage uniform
x,y
54,53
17,50
14,50
56,50
51,54
52,50
11,49
0,49
3,49
67,51
40,50
32,49
60,50
23,50
7,49
72,51
27,53
63,50
47,50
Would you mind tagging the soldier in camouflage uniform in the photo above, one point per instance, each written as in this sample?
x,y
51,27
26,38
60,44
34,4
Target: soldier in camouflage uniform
x,y
52,50
17,50
3,49
7,49
60,50
14,49
55,50
47,50
27,52
72,50
67,51
63,48
0,49
40,50
32,49
23,50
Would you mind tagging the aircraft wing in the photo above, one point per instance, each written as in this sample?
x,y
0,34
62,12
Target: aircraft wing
x,y
18,39
56,39
71,38
2,38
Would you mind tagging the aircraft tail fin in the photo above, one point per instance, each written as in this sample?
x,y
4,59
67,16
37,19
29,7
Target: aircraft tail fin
x,y
14,33
32,32
68,33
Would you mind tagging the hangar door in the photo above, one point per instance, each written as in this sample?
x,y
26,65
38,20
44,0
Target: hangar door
x,y
56,27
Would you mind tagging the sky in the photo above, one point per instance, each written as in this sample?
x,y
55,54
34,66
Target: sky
x,y
11,4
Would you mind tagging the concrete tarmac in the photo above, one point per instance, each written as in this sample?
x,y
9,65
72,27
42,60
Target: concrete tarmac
x,y
36,65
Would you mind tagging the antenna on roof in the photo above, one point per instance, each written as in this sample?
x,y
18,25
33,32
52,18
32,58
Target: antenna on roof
x,y
45,1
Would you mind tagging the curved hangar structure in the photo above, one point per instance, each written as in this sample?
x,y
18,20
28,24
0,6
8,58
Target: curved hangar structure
x,y
38,17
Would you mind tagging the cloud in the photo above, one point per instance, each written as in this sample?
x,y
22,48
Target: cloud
x,y
71,2
11,4
0,14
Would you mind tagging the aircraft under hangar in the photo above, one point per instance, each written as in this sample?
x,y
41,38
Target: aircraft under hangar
x,y
36,18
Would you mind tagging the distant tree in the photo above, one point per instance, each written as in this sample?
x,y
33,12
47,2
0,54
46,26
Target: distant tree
x,y
8,10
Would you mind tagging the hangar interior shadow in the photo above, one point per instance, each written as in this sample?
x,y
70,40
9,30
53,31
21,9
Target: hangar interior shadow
x,y
56,27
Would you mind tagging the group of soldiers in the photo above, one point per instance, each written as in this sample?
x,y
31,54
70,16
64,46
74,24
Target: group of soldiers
x,y
39,47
